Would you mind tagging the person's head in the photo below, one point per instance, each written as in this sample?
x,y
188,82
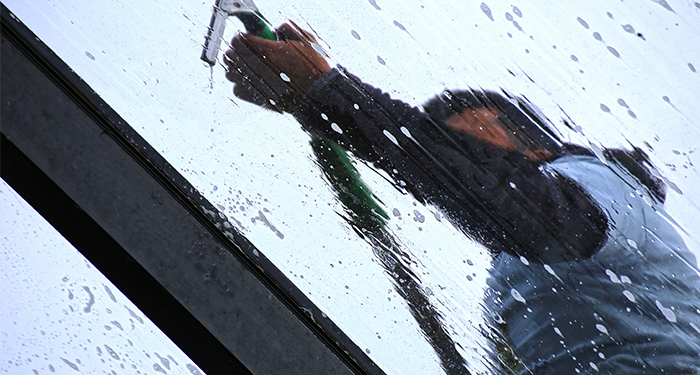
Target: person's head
x,y
493,119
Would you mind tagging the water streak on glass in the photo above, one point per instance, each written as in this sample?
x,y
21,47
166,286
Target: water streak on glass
x,y
485,187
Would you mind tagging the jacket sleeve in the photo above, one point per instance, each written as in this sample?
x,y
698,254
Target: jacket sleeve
x,y
499,197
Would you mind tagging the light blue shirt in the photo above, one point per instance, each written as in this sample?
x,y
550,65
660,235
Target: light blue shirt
x,y
632,308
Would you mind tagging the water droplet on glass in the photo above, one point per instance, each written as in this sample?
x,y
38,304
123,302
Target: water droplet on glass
x,y
110,294
629,295
374,4
391,137
549,270
70,364
517,11
664,4
193,369
517,26
558,331
133,315
487,11
517,296
157,368
668,313
91,300
601,328
582,22
112,352
418,216
613,276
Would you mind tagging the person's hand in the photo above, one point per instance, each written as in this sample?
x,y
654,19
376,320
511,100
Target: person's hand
x,y
274,74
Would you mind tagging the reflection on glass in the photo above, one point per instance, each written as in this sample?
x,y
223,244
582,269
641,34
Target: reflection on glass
x,y
587,273
581,249
299,67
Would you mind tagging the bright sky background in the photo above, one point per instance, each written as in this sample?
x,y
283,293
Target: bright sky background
x,y
579,60
60,314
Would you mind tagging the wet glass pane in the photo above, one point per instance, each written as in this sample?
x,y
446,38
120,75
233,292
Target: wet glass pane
x,y
531,208
61,315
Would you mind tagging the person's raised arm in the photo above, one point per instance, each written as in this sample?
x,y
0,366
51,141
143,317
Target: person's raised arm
x,y
499,195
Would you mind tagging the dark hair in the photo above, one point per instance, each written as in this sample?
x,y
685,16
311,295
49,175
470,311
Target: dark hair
x,y
523,122
448,103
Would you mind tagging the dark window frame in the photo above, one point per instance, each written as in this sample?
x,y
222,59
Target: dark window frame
x,y
23,173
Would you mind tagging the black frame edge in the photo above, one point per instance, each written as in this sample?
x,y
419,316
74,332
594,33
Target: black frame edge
x,y
113,261
182,191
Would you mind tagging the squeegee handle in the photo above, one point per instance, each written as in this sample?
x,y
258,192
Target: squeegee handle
x,y
256,24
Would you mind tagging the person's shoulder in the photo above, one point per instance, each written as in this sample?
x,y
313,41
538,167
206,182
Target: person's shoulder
x,y
612,170
634,166
637,165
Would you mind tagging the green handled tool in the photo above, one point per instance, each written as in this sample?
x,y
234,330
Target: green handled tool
x,y
365,213
362,209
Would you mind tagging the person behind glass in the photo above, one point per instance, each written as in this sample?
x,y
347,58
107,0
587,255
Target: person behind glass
x,y
588,276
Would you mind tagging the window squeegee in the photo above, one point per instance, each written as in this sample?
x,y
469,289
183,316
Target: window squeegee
x,y
365,213
244,10
363,210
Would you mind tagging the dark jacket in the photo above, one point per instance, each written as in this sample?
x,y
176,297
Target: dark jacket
x,y
501,198
588,276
